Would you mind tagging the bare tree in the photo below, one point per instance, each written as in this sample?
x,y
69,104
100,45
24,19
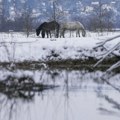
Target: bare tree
x,y
2,14
27,18
28,23
102,15
57,11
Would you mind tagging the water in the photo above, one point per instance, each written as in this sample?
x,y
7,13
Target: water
x,y
81,95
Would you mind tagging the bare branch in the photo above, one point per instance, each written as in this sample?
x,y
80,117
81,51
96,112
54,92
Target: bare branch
x,y
104,42
114,52
116,65
109,52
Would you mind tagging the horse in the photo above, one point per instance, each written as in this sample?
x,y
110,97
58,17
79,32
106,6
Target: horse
x,y
72,26
39,29
47,27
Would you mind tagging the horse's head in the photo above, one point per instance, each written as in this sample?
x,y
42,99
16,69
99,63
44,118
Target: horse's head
x,y
41,27
83,33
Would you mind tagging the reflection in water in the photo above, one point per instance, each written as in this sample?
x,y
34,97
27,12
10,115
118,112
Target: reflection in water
x,y
23,87
112,80
81,95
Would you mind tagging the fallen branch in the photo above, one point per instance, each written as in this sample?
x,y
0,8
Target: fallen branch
x,y
104,42
116,65
109,52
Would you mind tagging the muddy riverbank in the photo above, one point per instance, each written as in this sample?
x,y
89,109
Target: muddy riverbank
x,y
61,64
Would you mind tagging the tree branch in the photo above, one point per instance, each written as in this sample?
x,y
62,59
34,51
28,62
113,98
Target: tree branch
x,y
114,66
109,39
109,52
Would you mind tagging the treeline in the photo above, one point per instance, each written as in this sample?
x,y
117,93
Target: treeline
x,y
98,16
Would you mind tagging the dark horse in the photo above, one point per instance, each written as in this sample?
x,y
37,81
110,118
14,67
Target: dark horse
x,y
47,27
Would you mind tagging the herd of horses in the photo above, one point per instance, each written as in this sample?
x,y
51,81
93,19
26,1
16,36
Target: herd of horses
x,y
47,28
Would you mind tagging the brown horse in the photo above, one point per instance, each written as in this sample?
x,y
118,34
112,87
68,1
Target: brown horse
x,y
47,27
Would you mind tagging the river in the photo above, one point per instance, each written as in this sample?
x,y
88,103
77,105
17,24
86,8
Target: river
x,y
77,95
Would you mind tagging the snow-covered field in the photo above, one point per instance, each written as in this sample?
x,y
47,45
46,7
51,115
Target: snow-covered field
x,y
17,47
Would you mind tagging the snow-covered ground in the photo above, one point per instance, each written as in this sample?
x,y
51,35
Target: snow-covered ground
x,y
81,94
17,47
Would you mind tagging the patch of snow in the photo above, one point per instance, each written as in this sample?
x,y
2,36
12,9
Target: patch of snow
x,y
17,47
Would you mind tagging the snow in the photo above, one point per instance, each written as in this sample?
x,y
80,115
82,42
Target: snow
x,y
17,47
77,86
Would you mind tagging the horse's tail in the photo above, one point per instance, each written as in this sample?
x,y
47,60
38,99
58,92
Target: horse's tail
x,y
58,29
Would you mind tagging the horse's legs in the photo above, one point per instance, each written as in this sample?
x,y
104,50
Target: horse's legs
x,y
47,34
50,34
76,33
71,33
63,33
43,34
79,33
57,32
